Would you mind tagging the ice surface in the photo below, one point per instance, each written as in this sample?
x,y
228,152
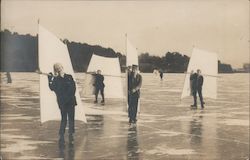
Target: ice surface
x,y
167,127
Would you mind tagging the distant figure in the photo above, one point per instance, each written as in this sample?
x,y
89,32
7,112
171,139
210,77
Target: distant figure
x,y
197,82
99,86
155,72
134,85
161,74
9,80
64,87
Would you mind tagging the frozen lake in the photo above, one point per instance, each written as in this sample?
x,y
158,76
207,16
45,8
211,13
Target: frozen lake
x,y
167,128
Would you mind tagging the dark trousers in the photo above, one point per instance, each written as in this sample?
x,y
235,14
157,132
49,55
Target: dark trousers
x,y
97,92
132,107
67,112
199,90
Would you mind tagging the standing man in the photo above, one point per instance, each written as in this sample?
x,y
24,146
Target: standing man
x,y
197,82
199,86
135,81
9,80
99,86
64,87
161,74
193,84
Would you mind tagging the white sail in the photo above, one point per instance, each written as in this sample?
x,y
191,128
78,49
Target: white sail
x,y
51,51
207,62
110,68
132,59
132,55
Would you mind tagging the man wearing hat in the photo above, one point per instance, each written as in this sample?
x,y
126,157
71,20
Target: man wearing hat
x,y
197,82
99,86
200,80
134,85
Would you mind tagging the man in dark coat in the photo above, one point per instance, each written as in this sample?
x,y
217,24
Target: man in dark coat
x,y
193,84
99,85
200,80
9,80
196,80
161,74
64,87
135,81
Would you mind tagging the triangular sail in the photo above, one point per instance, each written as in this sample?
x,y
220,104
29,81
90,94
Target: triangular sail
x,y
110,68
51,51
207,62
132,59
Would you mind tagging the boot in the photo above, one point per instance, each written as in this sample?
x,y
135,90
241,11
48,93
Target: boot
x,y
193,105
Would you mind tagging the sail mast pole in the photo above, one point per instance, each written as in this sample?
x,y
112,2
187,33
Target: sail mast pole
x,y
38,66
126,71
126,48
38,22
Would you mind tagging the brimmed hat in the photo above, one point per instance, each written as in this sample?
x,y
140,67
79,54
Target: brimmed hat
x,y
134,66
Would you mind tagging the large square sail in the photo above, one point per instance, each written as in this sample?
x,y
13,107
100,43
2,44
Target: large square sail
x,y
110,68
51,51
207,62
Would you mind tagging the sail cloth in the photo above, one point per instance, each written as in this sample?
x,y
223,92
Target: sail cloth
x,y
51,51
132,59
132,55
110,68
207,62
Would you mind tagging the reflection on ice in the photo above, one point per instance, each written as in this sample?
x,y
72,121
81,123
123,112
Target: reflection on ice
x,y
167,133
164,150
30,157
132,144
66,152
236,122
19,143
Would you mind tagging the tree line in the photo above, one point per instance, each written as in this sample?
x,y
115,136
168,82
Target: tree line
x,y
19,53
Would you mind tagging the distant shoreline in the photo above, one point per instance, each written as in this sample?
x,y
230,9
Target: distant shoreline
x,y
2,72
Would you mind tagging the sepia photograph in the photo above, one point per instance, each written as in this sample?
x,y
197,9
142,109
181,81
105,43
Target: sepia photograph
x,y
125,80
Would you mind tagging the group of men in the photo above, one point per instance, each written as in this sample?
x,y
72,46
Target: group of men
x,y
64,87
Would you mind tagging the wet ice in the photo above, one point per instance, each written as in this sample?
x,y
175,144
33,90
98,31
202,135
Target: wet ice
x,y
167,128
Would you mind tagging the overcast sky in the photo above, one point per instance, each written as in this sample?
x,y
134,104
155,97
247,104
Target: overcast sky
x,y
156,27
